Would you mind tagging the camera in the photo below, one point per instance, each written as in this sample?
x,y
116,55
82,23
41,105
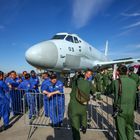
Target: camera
x,y
79,75
116,111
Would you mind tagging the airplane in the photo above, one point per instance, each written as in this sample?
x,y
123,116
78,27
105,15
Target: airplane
x,y
68,52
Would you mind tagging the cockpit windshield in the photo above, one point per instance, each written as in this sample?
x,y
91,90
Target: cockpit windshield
x,y
59,37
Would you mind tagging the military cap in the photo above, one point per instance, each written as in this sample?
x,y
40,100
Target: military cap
x,y
53,76
32,72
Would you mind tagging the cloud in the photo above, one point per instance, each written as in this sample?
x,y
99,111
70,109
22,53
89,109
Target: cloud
x,y
130,15
122,55
132,25
137,46
132,47
84,10
128,29
130,50
125,32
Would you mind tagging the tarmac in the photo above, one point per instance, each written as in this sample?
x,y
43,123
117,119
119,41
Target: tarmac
x,y
20,130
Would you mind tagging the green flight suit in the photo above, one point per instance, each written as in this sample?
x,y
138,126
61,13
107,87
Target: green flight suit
x,y
106,83
135,77
126,102
77,112
98,82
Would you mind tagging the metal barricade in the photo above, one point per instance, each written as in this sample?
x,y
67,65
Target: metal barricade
x,y
99,115
53,112
16,101
42,111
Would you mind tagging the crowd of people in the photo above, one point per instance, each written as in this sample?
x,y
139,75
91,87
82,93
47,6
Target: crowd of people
x,y
10,82
51,87
83,85
124,88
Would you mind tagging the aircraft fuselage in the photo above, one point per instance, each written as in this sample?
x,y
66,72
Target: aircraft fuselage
x,y
67,53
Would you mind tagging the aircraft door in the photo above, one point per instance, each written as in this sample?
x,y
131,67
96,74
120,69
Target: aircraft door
x,y
62,51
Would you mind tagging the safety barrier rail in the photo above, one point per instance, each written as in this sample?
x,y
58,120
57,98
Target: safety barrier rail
x,y
41,111
54,112
16,100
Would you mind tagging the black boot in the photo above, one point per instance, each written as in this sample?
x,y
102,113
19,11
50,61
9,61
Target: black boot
x,y
3,128
83,129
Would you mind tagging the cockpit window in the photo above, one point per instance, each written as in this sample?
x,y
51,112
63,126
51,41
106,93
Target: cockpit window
x,y
69,38
59,37
76,40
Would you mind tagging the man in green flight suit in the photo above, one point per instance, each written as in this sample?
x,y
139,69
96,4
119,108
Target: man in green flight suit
x,y
98,83
106,81
98,80
77,110
133,75
124,90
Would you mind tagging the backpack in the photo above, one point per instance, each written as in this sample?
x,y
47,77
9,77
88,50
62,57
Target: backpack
x,y
81,97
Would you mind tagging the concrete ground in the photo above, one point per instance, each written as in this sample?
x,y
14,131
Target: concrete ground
x,y
20,131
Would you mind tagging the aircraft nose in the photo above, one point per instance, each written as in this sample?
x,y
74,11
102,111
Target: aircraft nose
x,y
42,55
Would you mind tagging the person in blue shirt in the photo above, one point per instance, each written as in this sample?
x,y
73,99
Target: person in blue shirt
x,y
54,91
23,75
35,84
44,84
12,81
45,77
27,86
4,103
18,79
7,79
34,80
89,75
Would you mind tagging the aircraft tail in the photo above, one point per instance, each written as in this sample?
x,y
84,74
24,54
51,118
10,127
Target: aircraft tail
x,y
106,48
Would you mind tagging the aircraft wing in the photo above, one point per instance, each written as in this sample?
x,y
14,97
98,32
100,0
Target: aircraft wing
x,y
123,61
